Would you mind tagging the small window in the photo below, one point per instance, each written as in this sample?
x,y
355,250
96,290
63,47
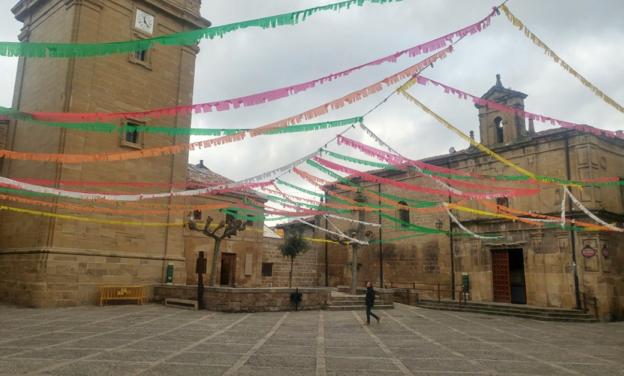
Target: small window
x,y
498,124
143,57
267,269
197,215
249,222
132,137
404,214
230,216
502,201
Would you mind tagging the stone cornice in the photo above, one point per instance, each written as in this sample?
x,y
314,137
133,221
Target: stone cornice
x,y
84,252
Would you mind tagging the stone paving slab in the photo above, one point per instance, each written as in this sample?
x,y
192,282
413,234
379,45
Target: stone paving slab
x,y
158,340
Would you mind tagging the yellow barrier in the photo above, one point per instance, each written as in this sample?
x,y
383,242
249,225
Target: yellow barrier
x,y
108,293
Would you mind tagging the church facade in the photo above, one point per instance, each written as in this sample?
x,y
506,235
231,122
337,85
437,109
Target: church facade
x,y
543,266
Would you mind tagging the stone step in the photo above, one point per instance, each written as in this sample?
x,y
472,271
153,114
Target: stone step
x,y
181,303
529,315
501,306
346,302
358,307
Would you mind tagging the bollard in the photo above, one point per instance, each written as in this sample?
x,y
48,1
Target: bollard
x,y
200,269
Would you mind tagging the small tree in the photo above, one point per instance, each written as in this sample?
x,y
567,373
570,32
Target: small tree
x,y
293,245
230,228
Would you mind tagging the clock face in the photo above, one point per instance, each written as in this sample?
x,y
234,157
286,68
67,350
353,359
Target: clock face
x,y
144,22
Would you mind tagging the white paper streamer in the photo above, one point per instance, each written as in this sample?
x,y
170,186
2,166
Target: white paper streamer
x,y
564,192
333,233
259,179
589,213
352,220
458,223
382,143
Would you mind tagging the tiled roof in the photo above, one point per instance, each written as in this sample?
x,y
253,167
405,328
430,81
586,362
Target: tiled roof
x,y
200,176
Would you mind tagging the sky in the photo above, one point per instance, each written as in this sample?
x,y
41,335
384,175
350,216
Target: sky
x,y
588,34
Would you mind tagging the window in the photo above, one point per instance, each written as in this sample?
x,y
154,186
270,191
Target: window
x,y
404,215
498,124
230,216
249,222
142,58
267,269
131,135
502,201
197,215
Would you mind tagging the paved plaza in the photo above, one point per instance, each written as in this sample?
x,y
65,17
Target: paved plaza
x,y
156,340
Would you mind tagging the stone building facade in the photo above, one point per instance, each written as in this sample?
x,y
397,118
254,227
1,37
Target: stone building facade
x,y
53,262
541,266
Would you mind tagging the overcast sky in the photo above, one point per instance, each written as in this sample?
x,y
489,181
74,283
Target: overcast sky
x,y
588,34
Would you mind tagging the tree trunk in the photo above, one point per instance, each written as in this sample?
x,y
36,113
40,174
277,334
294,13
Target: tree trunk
x,y
292,260
213,266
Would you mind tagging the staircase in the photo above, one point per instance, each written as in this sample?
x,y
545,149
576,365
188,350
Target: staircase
x,y
515,310
345,302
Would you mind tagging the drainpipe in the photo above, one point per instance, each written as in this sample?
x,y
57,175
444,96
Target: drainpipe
x,y
326,255
450,200
381,276
577,293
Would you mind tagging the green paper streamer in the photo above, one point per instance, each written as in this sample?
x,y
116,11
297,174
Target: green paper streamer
x,y
65,50
172,131
411,202
547,179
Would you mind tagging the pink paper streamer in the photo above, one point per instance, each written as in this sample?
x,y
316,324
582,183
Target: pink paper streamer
x,y
526,114
275,94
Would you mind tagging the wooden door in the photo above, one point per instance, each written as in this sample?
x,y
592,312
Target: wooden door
x,y
500,276
228,269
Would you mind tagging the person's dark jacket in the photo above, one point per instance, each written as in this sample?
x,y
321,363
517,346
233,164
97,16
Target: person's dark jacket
x,y
370,297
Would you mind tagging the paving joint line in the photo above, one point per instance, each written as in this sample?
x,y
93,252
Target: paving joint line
x,y
321,362
243,359
86,357
194,344
549,344
536,359
396,361
68,341
434,342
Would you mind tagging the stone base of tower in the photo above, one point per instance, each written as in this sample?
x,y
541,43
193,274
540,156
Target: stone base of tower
x,y
69,277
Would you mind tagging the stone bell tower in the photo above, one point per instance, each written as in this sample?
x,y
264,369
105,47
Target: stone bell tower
x,y
51,260
499,128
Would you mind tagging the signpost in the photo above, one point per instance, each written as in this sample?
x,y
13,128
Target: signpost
x,y
200,269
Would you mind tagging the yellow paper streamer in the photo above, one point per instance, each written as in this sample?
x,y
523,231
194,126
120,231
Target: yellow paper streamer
x,y
517,23
94,220
466,137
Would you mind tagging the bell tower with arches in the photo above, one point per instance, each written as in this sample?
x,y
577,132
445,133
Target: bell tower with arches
x,y
499,128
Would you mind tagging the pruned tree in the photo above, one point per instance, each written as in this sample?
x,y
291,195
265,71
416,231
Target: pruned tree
x,y
293,245
225,229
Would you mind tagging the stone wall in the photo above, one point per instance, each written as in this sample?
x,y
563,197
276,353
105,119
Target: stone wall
x,y
304,266
34,249
68,277
225,299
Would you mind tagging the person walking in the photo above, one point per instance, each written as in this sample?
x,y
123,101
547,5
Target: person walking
x,y
370,302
